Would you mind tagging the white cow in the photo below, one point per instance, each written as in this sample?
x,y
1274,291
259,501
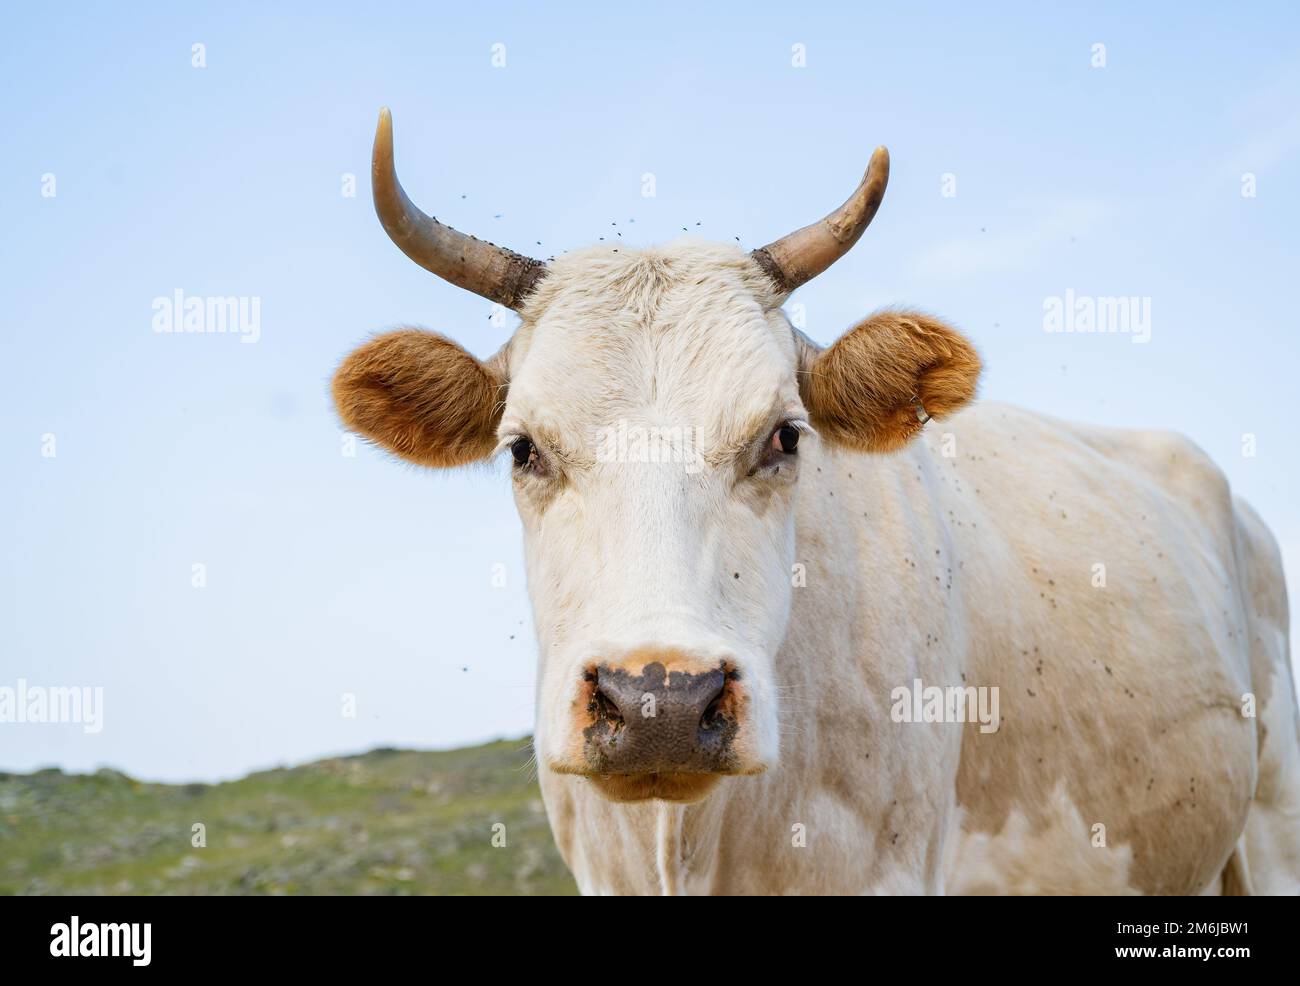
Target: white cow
x,y
764,589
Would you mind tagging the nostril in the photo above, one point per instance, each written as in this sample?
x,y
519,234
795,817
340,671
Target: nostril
x,y
714,714
604,709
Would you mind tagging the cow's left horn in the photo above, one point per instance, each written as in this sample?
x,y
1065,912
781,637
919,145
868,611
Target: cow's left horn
x,y
494,272
802,255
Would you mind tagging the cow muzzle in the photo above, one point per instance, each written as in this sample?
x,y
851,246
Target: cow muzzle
x,y
666,729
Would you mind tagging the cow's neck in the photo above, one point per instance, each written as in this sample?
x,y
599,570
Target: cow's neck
x,y
849,510
669,849
861,522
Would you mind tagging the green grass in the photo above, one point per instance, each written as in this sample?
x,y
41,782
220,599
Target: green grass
x,y
384,822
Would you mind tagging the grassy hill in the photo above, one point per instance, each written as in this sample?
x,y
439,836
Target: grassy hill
x,y
384,822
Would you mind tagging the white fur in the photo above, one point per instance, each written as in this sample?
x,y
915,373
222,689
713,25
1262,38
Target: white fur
x,y
1120,705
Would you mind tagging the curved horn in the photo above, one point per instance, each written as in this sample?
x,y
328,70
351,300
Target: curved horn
x,y
494,272
802,255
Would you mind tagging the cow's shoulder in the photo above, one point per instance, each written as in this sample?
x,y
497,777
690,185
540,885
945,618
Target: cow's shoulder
x,y
1099,596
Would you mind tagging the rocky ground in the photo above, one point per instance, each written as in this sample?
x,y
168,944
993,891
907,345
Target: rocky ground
x,y
384,822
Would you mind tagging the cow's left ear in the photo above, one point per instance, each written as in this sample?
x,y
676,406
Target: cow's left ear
x,y
872,389
423,397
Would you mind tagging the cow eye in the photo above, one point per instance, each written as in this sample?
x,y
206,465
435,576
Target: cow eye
x,y
524,451
780,449
785,439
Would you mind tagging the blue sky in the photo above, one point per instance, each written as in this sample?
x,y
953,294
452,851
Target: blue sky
x,y
329,575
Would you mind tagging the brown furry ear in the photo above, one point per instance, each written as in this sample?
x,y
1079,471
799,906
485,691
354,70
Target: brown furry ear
x,y
861,391
421,396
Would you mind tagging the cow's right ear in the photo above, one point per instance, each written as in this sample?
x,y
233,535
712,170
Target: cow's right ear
x,y
876,385
423,397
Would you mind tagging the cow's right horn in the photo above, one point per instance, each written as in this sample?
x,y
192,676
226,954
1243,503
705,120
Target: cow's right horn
x,y
494,272
800,256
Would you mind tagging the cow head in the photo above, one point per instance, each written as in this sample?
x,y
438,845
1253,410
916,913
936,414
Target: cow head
x,y
655,407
